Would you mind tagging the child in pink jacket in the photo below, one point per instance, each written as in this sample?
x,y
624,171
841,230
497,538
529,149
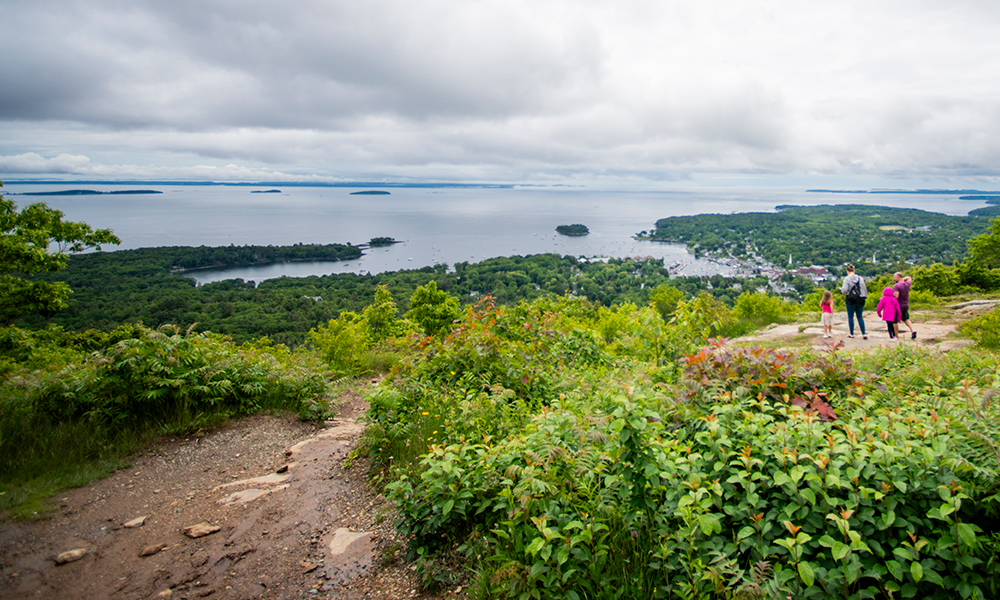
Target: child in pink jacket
x,y
888,309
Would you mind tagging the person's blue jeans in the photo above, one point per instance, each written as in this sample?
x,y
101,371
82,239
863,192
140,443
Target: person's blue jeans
x,y
855,310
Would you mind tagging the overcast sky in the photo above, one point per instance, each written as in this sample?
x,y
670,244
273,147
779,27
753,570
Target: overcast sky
x,y
617,92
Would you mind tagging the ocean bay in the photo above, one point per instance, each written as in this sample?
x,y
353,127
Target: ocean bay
x,y
435,225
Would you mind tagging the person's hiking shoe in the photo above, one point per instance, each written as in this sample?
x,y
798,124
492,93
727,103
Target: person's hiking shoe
x,y
851,336
864,337
913,335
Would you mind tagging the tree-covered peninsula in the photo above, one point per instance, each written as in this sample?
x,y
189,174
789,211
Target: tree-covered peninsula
x,y
826,235
187,258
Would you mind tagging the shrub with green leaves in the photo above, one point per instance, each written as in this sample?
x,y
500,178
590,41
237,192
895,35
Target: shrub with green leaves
x,y
665,298
938,279
761,309
629,505
806,378
501,365
984,329
433,309
354,344
705,315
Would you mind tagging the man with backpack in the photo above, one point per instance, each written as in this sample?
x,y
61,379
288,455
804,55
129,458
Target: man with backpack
x,y
901,289
855,293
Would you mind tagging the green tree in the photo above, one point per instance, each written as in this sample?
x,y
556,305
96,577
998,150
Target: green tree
x,y
984,250
433,309
26,239
759,308
381,317
665,298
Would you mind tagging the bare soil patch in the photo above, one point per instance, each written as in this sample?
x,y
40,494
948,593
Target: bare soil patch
x,y
293,522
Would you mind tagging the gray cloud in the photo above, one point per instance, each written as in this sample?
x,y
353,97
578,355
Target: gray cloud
x,y
503,90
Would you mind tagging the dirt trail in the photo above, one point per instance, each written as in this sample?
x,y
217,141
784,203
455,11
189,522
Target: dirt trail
x,y
292,523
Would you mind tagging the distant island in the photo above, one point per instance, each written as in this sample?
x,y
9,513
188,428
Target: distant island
x,y
327,184
574,230
89,193
371,193
375,242
265,191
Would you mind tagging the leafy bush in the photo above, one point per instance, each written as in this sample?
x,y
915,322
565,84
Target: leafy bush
x,y
984,329
665,298
705,314
432,309
806,380
938,279
569,507
922,298
355,344
761,309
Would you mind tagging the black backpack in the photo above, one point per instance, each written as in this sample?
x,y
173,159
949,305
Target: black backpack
x,y
855,292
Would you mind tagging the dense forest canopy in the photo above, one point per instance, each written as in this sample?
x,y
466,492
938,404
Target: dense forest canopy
x,y
128,286
827,235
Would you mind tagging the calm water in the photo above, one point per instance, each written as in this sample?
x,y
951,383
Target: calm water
x,y
435,225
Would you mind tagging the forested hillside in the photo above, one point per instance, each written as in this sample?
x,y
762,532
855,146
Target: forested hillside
x,y
828,235
128,286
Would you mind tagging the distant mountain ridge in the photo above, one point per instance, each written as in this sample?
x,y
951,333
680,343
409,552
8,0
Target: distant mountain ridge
x,y
270,184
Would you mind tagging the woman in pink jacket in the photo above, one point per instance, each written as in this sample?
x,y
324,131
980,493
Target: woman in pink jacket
x,y
888,309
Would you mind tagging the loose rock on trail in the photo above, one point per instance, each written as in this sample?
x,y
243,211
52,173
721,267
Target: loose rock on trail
x,y
262,508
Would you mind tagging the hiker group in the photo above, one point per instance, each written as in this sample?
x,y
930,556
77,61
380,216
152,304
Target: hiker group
x,y
893,308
